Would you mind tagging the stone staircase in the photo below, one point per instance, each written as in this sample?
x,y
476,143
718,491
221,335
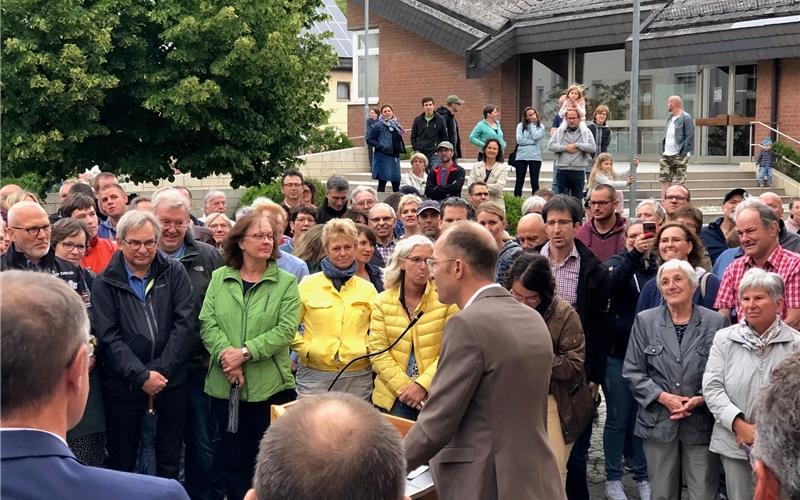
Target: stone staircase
x,y
707,183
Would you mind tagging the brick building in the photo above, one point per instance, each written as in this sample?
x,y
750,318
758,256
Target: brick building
x,y
732,63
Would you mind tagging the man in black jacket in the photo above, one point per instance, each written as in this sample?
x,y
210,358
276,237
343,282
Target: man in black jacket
x,y
145,322
582,280
172,210
449,114
428,130
335,204
447,179
29,229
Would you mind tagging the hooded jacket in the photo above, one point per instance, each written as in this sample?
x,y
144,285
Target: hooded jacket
x,y
453,134
136,337
606,245
452,187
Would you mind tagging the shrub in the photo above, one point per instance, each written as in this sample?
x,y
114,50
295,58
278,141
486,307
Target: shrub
x,y
783,150
273,192
327,138
29,182
513,212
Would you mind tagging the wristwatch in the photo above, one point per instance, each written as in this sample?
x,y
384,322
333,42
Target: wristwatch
x,y
246,354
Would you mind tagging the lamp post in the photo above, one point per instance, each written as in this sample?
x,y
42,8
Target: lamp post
x,y
634,120
366,62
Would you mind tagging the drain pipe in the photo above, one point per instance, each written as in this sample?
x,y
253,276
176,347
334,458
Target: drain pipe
x,y
773,105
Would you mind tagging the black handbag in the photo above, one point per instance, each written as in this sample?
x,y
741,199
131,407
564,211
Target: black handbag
x,y
398,146
513,156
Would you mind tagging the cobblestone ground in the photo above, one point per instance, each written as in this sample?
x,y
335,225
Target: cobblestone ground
x,y
596,465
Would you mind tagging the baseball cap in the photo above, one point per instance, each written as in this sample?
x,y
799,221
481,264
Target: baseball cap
x,y
429,205
736,192
454,99
766,142
445,145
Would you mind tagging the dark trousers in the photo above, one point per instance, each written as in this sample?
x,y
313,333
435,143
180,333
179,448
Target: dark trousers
x,y
571,182
521,166
202,479
124,427
577,483
239,450
382,186
403,411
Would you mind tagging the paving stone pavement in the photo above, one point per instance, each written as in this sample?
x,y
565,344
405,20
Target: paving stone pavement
x,y
596,466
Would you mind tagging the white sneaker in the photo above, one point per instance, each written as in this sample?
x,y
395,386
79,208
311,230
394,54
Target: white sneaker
x,y
644,490
615,491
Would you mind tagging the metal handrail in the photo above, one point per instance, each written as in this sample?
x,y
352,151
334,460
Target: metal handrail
x,y
789,161
778,132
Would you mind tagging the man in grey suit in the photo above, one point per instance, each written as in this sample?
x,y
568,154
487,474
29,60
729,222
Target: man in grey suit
x,y
483,427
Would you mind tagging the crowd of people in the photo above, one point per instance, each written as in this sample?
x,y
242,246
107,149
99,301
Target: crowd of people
x,y
497,346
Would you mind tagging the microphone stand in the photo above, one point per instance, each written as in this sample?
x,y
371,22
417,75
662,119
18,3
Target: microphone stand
x,y
368,355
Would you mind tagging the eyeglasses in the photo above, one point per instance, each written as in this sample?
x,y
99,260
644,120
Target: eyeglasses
x,y
260,236
599,203
214,227
432,263
526,299
552,223
676,197
292,185
35,230
136,245
72,246
416,260
176,225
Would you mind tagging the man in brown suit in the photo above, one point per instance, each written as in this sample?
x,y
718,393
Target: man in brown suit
x,y
483,427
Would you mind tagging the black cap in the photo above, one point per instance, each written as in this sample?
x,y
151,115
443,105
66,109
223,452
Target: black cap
x,y
735,192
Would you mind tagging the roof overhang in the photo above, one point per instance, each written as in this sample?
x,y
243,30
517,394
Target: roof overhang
x,y
729,43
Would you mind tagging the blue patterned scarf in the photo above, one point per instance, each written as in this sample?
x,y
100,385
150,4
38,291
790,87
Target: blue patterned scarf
x,y
338,276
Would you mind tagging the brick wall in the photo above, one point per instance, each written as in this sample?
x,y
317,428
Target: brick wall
x,y
412,67
788,98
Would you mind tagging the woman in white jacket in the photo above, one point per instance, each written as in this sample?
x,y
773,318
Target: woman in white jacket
x,y
739,365
491,170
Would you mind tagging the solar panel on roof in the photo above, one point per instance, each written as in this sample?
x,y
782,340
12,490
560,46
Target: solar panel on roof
x,y
341,40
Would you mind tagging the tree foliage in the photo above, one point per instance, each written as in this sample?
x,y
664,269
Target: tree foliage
x,y
131,85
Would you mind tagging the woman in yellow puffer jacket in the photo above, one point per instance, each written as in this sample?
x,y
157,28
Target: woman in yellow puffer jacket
x,y
405,372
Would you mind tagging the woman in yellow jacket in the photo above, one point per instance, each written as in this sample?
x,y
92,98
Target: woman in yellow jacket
x,y
405,372
335,307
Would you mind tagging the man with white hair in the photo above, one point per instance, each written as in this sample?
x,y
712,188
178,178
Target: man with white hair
x,y
363,198
144,319
172,211
29,230
214,201
789,240
758,228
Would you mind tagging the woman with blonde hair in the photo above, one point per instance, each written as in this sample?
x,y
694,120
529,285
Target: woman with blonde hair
x,y
404,373
493,217
335,307
417,177
407,213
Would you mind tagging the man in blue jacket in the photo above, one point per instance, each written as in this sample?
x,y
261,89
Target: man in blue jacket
x,y
144,319
45,359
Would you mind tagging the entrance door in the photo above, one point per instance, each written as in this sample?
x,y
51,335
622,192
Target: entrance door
x,y
729,104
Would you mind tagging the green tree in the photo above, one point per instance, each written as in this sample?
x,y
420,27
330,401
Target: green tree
x,y
208,87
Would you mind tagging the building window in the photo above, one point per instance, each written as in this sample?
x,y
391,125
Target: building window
x,y
342,91
365,57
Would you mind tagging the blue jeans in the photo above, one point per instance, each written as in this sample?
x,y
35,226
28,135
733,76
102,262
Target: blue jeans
x,y
571,182
201,433
403,411
621,411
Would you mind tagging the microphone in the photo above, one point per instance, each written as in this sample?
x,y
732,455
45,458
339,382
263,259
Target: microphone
x,y
369,355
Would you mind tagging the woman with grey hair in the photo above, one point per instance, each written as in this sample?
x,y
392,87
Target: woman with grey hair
x,y
404,373
739,366
664,365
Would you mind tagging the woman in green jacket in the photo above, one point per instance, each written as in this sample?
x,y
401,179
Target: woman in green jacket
x,y
249,317
488,128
